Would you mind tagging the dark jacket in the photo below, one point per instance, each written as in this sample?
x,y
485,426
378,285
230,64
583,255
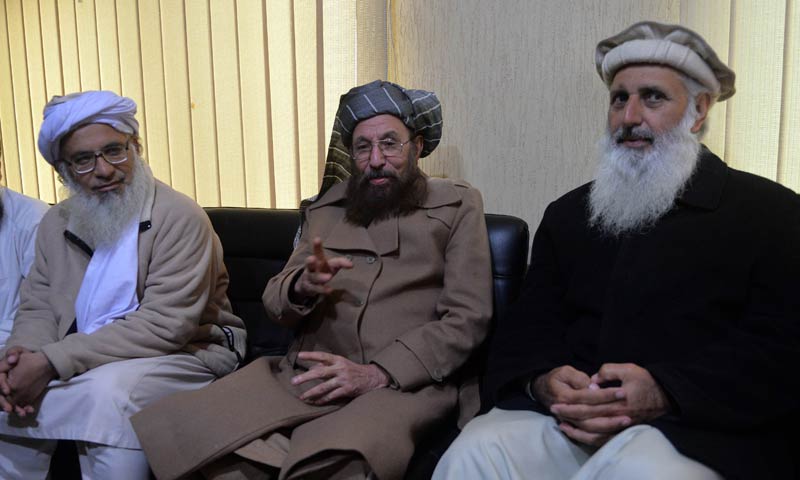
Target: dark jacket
x,y
707,300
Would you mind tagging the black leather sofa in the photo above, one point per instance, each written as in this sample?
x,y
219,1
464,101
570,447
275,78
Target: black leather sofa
x,y
257,243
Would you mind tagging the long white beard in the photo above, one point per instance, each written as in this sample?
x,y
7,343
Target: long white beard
x,y
99,218
634,188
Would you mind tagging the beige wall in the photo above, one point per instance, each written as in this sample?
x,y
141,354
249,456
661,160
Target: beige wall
x,y
523,104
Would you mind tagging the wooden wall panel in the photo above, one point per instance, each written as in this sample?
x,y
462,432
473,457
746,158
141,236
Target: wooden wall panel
x,y
203,109
178,103
311,144
9,154
227,99
21,98
283,99
754,113
789,154
257,150
154,89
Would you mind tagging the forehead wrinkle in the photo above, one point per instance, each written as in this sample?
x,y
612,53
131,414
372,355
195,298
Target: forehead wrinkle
x,y
109,144
388,133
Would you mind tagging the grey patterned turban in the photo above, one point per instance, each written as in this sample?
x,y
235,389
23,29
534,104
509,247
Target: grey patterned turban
x,y
419,110
63,114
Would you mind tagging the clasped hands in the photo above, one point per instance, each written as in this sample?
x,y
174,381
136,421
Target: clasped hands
x,y
591,414
23,377
339,377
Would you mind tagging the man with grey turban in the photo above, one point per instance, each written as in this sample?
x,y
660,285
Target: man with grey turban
x,y
657,334
125,302
389,293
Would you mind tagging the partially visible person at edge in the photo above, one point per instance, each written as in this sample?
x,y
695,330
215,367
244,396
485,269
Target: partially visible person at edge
x,y
125,303
658,332
389,292
19,220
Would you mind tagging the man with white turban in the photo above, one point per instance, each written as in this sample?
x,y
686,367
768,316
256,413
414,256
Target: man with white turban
x,y
389,292
125,303
657,333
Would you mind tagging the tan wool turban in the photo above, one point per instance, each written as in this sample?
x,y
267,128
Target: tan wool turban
x,y
671,45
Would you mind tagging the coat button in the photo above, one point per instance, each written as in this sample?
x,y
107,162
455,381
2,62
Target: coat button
x,y
360,303
370,260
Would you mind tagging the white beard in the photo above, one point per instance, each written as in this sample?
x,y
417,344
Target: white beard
x,y
100,218
634,188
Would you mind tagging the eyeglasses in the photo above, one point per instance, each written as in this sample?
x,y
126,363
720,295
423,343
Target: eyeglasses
x,y
388,147
85,162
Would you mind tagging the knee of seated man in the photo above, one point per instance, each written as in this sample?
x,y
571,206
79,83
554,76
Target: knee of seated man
x,y
492,430
650,455
102,384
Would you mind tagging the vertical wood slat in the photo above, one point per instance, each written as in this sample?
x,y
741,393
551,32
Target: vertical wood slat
x,y
68,42
155,111
108,45
203,110
309,117
251,37
11,167
22,98
36,86
178,104
86,27
284,111
789,153
227,100
754,112
339,21
54,80
130,59
711,19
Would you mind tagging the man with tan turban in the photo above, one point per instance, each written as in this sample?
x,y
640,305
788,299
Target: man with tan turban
x,y
389,292
125,303
657,334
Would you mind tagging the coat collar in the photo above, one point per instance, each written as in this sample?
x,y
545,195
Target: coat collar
x,y
705,187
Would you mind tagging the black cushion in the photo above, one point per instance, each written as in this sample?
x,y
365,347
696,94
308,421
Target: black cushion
x,y
257,242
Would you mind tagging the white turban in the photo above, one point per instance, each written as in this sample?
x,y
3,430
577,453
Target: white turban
x,y
63,115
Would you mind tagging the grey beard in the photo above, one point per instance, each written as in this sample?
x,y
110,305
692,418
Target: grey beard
x,y
100,218
634,188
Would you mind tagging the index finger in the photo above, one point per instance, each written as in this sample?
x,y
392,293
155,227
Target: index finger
x,y
595,396
322,357
320,254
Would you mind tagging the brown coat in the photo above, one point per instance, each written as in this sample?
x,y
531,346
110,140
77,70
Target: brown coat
x,y
182,283
417,302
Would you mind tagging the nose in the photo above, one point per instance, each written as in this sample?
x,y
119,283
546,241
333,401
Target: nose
x,y
633,112
376,158
102,168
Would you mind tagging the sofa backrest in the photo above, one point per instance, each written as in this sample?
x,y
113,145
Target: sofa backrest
x,y
258,241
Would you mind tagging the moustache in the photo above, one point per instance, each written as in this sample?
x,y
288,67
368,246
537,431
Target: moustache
x,y
628,134
375,174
